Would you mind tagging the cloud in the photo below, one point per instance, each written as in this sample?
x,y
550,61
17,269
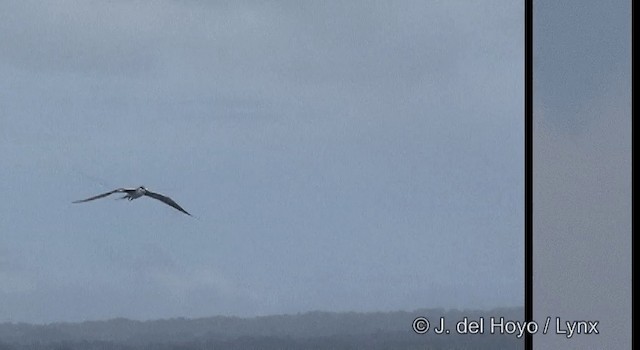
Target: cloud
x,y
14,278
338,135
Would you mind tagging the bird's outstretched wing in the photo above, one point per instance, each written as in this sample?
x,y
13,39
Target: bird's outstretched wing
x,y
166,200
100,195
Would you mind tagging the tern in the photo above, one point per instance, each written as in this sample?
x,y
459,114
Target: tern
x,y
133,193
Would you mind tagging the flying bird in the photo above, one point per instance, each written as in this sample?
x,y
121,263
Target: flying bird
x,y
133,193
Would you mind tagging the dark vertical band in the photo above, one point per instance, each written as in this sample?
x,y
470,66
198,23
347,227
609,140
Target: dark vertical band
x,y
528,169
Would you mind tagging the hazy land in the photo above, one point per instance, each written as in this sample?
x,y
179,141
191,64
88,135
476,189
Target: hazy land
x,y
312,330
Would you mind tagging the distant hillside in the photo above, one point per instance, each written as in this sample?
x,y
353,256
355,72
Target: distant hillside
x,y
312,330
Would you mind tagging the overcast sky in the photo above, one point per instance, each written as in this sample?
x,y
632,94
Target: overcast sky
x,y
582,169
343,156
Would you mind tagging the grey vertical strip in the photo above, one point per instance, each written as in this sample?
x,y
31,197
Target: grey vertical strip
x,y
582,173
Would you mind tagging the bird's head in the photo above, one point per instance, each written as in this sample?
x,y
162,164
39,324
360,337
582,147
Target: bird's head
x,y
142,188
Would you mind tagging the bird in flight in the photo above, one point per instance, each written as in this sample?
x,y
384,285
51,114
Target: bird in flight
x,y
133,193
